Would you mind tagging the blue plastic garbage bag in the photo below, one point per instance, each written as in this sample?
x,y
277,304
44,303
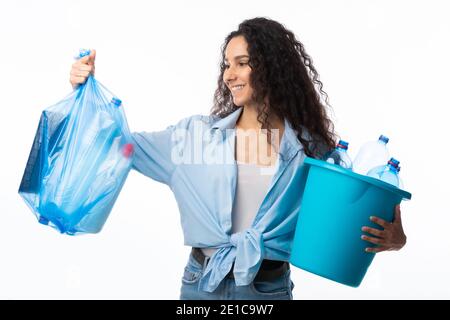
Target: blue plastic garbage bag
x,y
79,161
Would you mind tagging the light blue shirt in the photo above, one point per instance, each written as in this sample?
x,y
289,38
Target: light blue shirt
x,y
195,158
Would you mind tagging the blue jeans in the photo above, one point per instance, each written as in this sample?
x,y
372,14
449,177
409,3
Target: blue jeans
x,y
277,289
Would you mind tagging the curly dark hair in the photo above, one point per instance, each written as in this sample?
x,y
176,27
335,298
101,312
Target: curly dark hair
x,y
283,76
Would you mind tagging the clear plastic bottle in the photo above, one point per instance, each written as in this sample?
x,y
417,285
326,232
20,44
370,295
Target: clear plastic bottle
x,y
388,173
116,103
127,152
372,154
400,182
339,155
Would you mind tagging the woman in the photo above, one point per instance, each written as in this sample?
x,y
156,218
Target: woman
x,y
238,174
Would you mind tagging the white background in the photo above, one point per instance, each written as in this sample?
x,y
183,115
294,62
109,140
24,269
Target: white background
x,y
384,65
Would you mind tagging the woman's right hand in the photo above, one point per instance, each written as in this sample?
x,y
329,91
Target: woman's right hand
x,y
81,69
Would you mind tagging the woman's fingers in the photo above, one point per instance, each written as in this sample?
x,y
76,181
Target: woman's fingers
x,y
372,239
398,214
375,232
381,222
75,81
390,238
376,249
85,67
91,60
84,59
78,73
82,68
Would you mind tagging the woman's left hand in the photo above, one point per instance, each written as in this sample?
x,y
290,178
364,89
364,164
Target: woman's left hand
x,y
391,237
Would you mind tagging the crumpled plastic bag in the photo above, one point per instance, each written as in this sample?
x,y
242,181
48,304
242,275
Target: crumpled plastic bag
x,y
79,161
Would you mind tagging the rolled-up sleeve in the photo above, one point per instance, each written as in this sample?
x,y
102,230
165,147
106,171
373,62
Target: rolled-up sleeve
x,y
152,155
154,150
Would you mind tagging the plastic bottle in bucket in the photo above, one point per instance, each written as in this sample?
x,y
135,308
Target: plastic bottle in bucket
x,y
339,155
336,204
388,173
400,182
371,155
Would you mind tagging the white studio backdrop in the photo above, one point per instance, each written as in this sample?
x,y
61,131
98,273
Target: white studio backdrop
x,y
384,65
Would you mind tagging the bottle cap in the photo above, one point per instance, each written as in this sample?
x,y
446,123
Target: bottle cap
x,y
116,101
342,144
394,162
128,150
43,220
384,139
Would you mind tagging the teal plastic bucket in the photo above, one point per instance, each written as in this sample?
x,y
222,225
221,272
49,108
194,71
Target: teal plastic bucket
x,y
336,204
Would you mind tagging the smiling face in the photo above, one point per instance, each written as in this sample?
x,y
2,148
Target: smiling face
x,y
237,71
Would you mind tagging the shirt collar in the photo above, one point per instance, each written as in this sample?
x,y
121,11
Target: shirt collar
x,y
229,122
290,144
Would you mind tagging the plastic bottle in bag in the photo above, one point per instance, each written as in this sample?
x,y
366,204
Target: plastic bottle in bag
x,y
115,168
339,155
372,154
80,158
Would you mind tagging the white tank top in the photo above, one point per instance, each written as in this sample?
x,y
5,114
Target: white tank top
x,y
252,186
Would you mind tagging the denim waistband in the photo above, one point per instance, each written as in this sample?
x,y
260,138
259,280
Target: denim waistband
x,y
269,269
